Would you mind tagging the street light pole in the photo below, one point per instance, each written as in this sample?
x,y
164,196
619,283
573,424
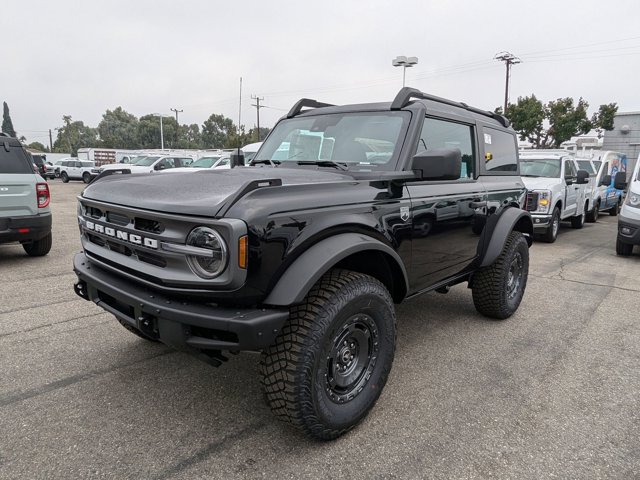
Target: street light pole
x,y
404,62
161,135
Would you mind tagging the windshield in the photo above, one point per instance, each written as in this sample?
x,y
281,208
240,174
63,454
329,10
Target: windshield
x,y
146,161
586,165
204,162
596,164
540,167
357,139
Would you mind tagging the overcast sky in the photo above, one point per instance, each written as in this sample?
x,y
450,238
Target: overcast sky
x,y
83,57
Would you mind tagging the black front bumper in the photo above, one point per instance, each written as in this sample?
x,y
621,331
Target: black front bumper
x,y
186,325
628,231
25,229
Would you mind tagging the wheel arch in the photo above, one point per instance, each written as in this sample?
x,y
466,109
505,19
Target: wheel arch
x,y
512,219
352,251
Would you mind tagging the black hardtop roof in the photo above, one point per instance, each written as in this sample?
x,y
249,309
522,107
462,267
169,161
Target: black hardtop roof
x,y
11,141
404,101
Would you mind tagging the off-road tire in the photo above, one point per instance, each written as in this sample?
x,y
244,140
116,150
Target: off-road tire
x,y
551,234
623,249
592,216
137,332
39,248
86,177
493,295
613,211
64,177
298,368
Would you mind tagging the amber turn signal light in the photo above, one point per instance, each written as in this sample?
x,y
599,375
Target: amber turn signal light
x,y
243,251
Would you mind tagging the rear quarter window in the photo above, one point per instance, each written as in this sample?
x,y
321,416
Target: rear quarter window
x,y
14,161
500,151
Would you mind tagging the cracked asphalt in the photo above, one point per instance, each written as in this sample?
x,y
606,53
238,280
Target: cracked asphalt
x,y
552,392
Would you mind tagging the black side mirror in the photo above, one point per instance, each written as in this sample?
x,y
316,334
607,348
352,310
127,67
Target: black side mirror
x,y
583,177
439,164
620,181
237,159
568,179
606,180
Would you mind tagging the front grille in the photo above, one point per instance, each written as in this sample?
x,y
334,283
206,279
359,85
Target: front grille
x,y
117,218
531,203
147,225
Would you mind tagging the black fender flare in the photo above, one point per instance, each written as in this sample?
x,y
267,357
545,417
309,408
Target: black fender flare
x,y
307,269
512,218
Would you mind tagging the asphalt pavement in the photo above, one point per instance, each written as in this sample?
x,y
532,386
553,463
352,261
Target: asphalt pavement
x,y
552,392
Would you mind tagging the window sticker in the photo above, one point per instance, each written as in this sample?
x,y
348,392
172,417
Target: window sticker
x,y
487,139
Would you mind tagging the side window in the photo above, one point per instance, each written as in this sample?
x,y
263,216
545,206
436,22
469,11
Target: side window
x,y
444,134
569,169
166,163
500,151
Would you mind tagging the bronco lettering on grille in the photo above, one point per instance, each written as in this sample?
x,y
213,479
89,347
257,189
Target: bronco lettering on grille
x,y
121,235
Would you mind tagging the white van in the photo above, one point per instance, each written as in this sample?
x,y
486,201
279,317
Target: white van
x,y
629,219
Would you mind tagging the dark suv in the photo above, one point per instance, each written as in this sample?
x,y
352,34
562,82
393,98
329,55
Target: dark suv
x,y
344,211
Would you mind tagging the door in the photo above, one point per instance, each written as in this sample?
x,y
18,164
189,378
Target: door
x,y
445,215
572,191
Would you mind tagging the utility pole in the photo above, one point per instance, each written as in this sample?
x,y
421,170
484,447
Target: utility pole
x,y
240,106
258,107
50,141
176,111
508,59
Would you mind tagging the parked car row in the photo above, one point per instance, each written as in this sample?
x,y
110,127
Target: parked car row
x,y
570,188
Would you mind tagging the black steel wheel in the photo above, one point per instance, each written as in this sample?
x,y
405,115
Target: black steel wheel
x,y
615,210
64,177
86,177
329,364
498,289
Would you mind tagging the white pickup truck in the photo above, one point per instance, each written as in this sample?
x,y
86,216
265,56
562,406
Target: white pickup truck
x,y
559,189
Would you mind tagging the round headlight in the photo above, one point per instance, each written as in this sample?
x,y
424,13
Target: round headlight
x,y
207,265
634,199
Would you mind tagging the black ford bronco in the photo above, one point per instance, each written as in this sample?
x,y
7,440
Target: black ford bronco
x,y
301,255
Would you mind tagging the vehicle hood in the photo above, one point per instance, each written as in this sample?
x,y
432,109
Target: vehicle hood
x,y
113,166
540,183
201,193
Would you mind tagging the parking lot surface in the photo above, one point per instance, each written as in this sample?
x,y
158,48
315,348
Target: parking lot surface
x,y
551,392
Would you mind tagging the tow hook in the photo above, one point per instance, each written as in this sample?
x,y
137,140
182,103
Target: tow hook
x,y
81,290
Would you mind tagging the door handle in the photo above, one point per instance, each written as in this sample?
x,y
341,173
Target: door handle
x,y
478,204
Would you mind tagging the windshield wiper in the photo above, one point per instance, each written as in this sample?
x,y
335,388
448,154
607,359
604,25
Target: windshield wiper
x,y
324,163
273,163
525,175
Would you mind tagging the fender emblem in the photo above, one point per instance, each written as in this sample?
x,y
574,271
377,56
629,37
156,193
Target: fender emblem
x,y
404,213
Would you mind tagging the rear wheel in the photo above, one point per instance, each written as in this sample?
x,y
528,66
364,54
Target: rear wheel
x,y
623,249
86,177
330,362
498,289
64,177
40,247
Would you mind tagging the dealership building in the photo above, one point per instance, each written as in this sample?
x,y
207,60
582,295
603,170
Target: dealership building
x,y
625,137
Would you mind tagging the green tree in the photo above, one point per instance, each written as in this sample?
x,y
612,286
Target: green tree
x,y
118,129
7,124
189,136
38,146
74,135
148,132
566,120
527,117
603,118
217,130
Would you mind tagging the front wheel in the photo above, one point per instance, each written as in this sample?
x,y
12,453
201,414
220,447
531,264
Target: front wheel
x,y
64,177
86,177
498,289
592,216
578,220
623,249
551,234
329,364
